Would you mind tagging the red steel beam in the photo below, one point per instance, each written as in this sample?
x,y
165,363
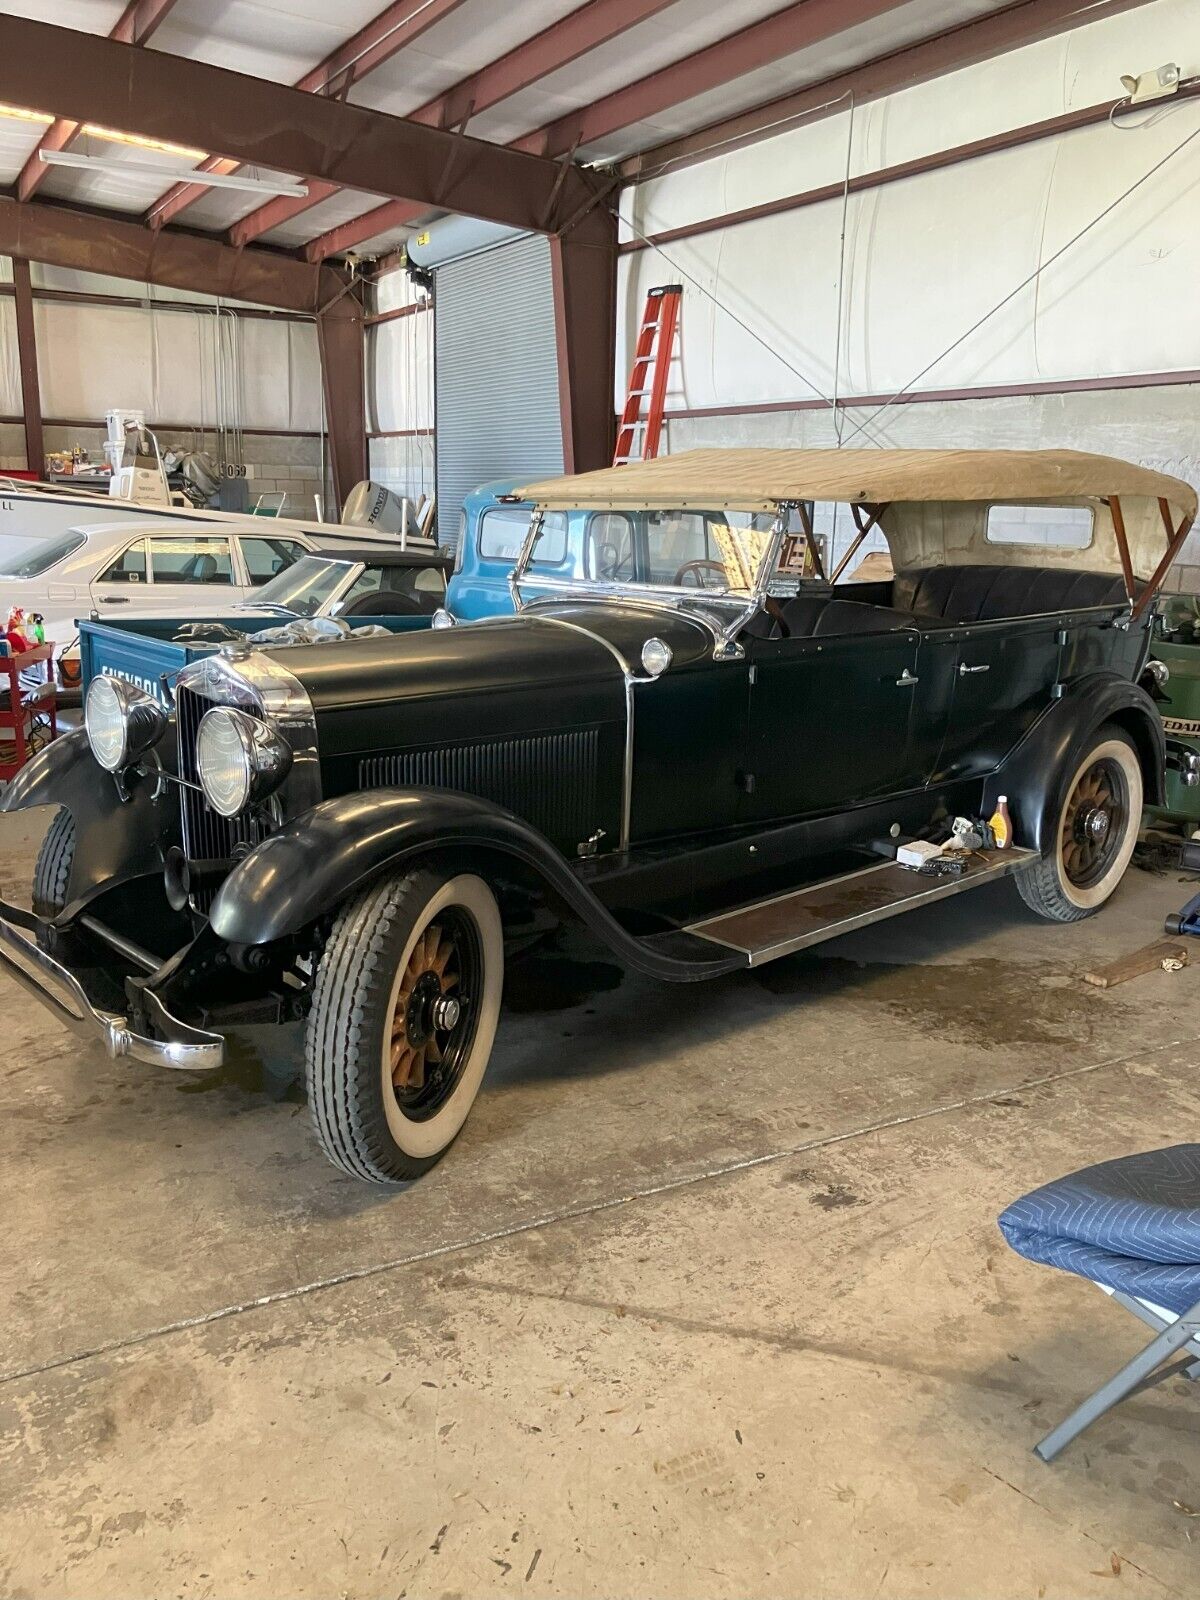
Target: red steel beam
x,y
134,26
803,23
562,42
370,47
880,177
343,376
31,397
39,231
159,96
584,280
796,27
1022,23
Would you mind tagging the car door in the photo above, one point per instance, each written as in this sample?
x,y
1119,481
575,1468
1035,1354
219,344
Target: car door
x,y
192,575
1004,674
830,722
122,585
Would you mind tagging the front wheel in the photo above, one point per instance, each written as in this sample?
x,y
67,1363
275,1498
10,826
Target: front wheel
x,y
405,1006
1094,832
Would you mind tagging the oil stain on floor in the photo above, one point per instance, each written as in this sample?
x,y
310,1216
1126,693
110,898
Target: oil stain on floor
x,y
982,1002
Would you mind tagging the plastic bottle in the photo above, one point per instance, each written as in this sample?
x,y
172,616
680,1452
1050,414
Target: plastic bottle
x,y
1001,824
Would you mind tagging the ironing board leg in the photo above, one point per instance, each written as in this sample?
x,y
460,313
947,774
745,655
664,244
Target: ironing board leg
x,y
1173,1337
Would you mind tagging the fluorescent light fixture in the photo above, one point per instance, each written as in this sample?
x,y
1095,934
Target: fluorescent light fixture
x,y
156,169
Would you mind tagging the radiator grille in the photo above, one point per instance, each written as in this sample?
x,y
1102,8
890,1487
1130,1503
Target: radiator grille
x,y
549,778
207,836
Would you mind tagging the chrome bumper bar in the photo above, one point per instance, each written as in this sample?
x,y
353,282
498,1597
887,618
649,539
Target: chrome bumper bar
x,y
185,1047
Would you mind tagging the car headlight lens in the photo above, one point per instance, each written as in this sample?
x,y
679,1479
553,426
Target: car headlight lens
x,y
239,759
122,722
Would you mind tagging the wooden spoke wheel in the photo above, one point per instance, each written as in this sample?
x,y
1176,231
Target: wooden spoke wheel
x,y
1089,835
431,1022
1093,822
405,1005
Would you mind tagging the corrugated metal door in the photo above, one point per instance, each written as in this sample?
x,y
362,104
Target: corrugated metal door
x,y
496,373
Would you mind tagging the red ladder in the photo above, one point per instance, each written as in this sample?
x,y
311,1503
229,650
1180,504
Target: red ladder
x,y
656,343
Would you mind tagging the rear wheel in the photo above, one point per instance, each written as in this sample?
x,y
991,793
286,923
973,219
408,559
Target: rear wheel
x,y
405,1006
1094,832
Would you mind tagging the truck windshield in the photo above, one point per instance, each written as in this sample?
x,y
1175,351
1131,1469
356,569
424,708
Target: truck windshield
x,y
720,552
305,586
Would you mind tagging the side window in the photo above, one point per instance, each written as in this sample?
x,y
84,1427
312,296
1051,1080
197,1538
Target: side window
x,y
430,580
129,567
502,532
610,545
369,581
1053,527
267,558
192,561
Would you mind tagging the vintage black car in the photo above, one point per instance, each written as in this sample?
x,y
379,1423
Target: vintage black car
x,y
702,747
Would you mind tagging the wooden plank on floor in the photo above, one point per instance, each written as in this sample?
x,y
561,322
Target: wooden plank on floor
x,y
1138,962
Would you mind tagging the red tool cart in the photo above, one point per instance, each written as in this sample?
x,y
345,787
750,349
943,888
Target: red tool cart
x,y
20,707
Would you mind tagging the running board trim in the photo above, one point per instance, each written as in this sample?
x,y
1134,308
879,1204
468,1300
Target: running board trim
x,y
785,923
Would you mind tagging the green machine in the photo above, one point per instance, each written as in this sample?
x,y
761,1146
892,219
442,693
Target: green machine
x,y
1176,644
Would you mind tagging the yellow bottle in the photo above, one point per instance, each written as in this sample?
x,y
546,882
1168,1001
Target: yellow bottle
x,y
1001,824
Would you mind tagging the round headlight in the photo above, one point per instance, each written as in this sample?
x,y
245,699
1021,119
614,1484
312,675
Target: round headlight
x,y
122,722
656,656
238,759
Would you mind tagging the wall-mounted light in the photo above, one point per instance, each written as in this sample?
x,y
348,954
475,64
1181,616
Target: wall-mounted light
x,y
1152,85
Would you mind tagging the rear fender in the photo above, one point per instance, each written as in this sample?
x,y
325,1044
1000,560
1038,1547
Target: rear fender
x,y
116,839
319,860
1033,775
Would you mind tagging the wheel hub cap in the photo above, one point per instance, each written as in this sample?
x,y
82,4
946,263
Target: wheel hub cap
x,y
426,1012
1094,824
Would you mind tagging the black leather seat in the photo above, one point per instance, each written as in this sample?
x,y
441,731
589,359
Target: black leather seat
x,y
819,616
986,594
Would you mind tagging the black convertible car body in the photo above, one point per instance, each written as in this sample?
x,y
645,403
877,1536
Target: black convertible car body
x,y
704,749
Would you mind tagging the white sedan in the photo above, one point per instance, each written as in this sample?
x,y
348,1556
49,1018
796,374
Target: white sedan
x,y
137,567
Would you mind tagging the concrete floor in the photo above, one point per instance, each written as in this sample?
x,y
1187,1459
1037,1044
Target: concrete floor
x,y
708,1300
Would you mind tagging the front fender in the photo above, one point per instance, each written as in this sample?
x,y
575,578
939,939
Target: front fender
x,y
317,861
115,839
1032,775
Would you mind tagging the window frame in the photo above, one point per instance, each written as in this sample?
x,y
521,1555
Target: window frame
x,y
1038,544
229,541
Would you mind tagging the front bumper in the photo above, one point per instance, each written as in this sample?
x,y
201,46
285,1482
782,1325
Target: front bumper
x,y
190,1049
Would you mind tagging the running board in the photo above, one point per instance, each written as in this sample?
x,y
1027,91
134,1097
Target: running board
x,y
821,911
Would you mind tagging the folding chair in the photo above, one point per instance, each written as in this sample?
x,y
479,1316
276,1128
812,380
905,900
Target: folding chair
x,y
1131,1226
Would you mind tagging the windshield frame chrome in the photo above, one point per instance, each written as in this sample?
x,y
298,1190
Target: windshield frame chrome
x,y
699,603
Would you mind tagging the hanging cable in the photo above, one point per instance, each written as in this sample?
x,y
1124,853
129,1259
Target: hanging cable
x,y
838,416
733,317
1026,281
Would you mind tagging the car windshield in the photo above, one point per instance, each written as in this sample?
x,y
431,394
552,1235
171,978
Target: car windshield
x,y
305,586
24,558
719,552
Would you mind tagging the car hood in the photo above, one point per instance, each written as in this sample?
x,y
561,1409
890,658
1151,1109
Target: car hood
x,y
549,647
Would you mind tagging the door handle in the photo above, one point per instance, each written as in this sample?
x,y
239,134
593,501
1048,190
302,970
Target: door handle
x,y
906,680
114,599
963,668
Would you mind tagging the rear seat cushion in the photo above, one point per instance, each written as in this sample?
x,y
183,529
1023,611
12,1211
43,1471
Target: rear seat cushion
x,y
985,594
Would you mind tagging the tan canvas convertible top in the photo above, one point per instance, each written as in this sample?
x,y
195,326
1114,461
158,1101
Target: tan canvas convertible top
x,y
756,479
931,505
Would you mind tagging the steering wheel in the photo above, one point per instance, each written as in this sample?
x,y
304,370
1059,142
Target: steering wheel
x,y
609,561
698,567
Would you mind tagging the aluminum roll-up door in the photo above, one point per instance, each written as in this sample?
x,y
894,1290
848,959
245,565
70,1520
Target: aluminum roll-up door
x,y
496,373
